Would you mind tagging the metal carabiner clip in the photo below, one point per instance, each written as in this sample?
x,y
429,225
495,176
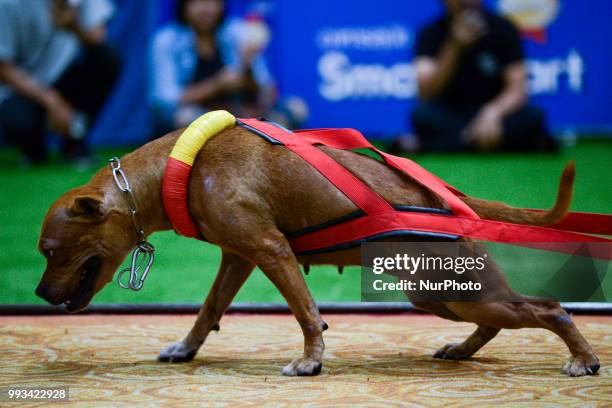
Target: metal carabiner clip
x,y
143,255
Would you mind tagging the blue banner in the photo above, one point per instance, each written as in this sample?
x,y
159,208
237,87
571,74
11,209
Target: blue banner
x,y
350,60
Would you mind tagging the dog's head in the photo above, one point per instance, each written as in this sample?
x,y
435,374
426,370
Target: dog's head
x,y
84,240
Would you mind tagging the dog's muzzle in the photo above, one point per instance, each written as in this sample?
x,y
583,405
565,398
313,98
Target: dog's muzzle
x,y
43,292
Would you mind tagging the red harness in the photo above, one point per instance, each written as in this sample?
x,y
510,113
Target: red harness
x,y
377,218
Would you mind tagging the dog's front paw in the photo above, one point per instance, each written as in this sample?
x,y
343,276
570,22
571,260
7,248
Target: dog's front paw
x,y
178,352
577,366
452,352
302,366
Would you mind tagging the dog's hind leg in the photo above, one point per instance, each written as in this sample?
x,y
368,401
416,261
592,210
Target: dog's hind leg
x,y
437,308
471,345
233,272
546,315
481,336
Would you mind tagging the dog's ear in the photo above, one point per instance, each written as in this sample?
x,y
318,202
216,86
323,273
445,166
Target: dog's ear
x,y
88,206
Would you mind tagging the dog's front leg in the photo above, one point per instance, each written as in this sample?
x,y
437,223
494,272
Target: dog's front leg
x,y
279,264
233,272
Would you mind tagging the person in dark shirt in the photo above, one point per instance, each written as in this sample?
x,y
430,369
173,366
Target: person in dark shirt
x,y
472,85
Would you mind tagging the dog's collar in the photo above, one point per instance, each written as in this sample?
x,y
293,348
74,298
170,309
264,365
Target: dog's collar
x,y
144,253
175,183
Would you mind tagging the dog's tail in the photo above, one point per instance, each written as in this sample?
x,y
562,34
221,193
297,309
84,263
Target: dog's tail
x,y
501,212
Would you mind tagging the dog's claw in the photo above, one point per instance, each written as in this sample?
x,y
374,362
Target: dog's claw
x,y
577,366
302,367
177,353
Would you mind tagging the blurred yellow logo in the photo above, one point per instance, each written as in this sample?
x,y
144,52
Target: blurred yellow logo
x,y
532,17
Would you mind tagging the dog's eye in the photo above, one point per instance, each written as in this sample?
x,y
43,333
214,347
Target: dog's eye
x,y
48,253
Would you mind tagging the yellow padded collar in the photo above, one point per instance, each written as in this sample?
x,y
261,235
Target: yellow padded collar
x,y
199,131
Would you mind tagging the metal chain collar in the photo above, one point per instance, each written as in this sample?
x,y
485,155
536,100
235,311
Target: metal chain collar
x,y
144,253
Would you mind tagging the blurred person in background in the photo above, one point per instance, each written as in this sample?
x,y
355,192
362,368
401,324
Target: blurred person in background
x,y
55,69
472,86
207,61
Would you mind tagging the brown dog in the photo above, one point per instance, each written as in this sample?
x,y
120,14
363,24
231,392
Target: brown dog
x,y
245,195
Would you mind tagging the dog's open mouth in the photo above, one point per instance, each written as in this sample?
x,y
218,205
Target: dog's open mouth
x,y
85,291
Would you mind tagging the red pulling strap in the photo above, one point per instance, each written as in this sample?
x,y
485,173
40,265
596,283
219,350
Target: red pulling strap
x,y
591,223
381,217
487,230
347,139
364,198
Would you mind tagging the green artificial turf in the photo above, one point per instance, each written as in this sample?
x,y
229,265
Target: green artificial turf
x,y
185,268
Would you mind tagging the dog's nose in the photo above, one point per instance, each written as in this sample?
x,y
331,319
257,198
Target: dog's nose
x,y
48,293
41,291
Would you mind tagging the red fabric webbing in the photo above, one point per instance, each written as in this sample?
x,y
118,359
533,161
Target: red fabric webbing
x,y
347,139
383,218
362,196
591,223
487,230
352,139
